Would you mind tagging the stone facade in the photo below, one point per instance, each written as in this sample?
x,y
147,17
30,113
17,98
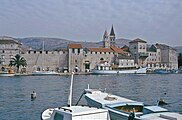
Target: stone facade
x,y
47,60
169,57
9,47
157,56
138,49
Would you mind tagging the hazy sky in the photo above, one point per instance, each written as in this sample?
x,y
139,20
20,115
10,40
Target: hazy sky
x,y
86,20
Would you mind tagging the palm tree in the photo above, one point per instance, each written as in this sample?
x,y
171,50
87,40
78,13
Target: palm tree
x,y
18,61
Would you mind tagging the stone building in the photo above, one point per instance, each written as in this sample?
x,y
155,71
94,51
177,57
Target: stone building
x,y
169,57
9,47
158,56
75,57
138,49
153,60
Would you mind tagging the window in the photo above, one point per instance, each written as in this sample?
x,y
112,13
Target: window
x,y
76,61
140,46
143,46
3,51
78,50
28,52
46,52
73,50
34,52
40,52
95,52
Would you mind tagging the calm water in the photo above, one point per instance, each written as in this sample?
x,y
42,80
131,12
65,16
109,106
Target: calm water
x,y
52,91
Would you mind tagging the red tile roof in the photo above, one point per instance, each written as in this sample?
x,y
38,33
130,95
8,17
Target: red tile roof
x,y
118,50
74,46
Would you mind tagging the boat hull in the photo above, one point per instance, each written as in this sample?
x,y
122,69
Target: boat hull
x,y
6,74
42,73
134,71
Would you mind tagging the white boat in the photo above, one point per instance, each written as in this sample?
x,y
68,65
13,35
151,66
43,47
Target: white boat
x,y
121,108
37,73
75,112
120,71
6,74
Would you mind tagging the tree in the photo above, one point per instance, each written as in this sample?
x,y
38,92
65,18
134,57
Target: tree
x,y
18,61
180,60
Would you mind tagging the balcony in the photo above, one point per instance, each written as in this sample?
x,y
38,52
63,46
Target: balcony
x,y
143,55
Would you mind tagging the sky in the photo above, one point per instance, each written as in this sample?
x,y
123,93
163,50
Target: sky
x,y
156,21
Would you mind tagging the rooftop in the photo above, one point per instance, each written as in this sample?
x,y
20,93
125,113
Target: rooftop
x,y
8,40
74,46
137,41
118,50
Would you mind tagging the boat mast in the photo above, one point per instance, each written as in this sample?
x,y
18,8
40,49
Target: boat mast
x,y
71,91
43,56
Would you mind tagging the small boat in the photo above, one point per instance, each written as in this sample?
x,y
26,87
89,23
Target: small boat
x,y
161,71
6,72
75,112
121,108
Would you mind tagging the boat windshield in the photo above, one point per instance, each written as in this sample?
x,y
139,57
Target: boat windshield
x,y
58,116
130,108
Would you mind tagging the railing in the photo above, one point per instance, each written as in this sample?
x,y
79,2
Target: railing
x,y
143,54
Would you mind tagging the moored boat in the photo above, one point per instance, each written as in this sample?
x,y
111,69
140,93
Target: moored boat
x,y
120,71
121,108
6,72
162,71
75,112
39,73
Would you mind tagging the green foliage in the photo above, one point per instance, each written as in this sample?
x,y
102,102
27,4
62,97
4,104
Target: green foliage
x,y
180,60
18,61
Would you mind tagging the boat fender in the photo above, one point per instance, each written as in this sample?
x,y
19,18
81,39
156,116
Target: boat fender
x,y
131,116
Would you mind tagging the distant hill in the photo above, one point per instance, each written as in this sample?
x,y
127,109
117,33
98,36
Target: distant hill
x,y
56,43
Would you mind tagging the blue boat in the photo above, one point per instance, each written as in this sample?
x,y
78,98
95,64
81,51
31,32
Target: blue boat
x,y
161,71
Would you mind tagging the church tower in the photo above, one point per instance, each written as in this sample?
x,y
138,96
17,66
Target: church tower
x,y
112,37
106,40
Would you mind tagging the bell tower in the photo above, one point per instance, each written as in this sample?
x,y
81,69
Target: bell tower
x,y
106,40
112,37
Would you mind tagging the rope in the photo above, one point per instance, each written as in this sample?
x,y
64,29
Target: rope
x,y
80,98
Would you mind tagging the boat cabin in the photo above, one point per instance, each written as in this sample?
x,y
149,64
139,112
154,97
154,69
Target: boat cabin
x,y
79,113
